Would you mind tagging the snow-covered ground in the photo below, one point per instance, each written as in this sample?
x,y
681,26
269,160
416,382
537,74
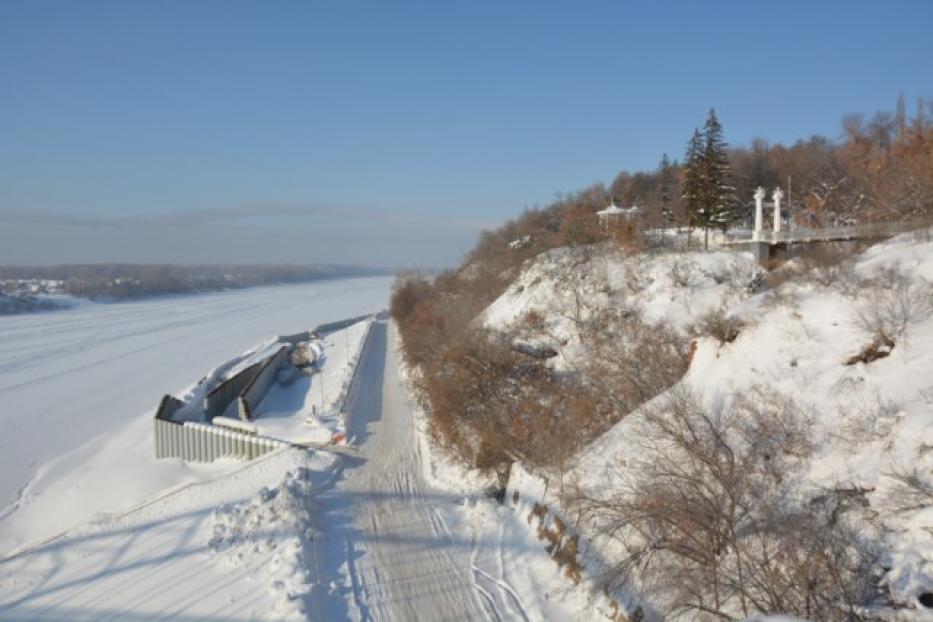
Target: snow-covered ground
x,y
391,533
78,389
227,548
398,530
407,535
872,420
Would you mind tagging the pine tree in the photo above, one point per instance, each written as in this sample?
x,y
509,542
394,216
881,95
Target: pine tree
x,y
710,197
721,193
665,192
694,180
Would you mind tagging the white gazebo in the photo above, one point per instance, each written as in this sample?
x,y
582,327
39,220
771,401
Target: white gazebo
x,y
615,214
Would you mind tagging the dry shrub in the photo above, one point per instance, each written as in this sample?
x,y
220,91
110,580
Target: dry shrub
x,y
879,348
720,324
539,511
630,361
682,272
912,490
566,557
786,271
562,547
408,291
781,297
869,420
533,320
891,301
707,513
830,262
492,401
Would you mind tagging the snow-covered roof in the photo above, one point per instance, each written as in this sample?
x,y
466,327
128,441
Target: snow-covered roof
x,y
614,210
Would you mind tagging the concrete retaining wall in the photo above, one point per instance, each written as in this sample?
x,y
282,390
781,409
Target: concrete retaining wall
x,y
322,329
196,442
217,401
260,384
356,366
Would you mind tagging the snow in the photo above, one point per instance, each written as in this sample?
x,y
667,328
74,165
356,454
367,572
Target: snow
x,y
396,528
79,388
567,285
292,535
307,409
871,419
210,550
403,535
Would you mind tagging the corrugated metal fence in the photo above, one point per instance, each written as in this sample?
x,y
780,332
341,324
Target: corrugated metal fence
x,y
196,442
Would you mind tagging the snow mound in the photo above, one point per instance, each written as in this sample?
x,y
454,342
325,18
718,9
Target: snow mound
x,y
275,529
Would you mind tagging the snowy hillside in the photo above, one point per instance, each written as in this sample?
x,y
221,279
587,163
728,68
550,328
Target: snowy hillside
x,y
567,287
841,356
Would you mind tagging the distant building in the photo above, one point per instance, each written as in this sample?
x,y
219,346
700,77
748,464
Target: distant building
x,y
614,215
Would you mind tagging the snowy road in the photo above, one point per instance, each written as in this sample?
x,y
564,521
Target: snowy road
x,y
383,538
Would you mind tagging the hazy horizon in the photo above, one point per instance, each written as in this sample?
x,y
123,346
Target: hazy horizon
x,y
391,136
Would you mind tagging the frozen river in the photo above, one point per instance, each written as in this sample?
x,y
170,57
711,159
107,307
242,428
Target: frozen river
x,y
67,377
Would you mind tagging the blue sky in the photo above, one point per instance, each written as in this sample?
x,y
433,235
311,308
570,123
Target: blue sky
x,y
391,133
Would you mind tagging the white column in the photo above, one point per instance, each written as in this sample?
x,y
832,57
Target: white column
x,y
759,225
777,196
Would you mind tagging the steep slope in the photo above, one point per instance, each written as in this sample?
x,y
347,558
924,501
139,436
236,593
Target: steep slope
x,y
848,349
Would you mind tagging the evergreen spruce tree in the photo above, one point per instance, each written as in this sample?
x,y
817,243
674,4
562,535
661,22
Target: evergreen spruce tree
x,y
710,197
721,193
694,180
665,192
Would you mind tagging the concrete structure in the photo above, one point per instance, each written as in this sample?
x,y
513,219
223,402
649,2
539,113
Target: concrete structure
x,y
759,213
201,442
776,197
762,243
217,401
260,383
178,436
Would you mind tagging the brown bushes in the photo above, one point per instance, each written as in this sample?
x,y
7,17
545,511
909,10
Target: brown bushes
x,y
492,401
561,546
719,324
706,511
879,348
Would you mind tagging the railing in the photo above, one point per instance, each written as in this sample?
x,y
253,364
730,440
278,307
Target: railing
x,y
847,232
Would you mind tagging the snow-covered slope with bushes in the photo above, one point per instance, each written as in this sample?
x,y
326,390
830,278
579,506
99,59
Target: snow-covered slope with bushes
x,y
844,352
563,289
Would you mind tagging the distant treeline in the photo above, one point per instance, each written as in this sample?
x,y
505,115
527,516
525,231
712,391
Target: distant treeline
x,y
129,281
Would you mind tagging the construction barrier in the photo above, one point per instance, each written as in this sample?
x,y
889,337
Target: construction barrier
x,y
220,397
260,384
197,442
